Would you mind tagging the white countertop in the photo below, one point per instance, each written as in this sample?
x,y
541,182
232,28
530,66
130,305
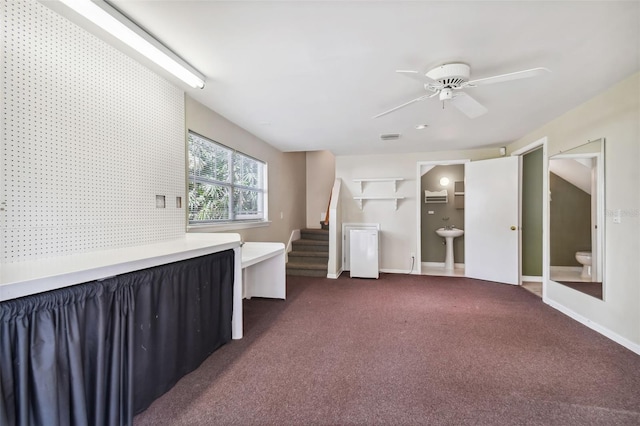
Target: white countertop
x,y
18,279
253,253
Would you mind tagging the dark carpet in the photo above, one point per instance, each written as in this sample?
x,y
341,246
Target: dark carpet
x,y
407,350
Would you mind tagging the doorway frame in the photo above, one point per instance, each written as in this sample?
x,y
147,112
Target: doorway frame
x,y
418,260
542,142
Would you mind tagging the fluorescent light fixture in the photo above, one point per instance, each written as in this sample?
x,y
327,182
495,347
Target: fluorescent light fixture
x,y
119,26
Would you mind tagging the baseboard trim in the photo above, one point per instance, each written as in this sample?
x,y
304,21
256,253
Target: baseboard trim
x,y
441,265
396,271
532,278
334,276
295,235
634,347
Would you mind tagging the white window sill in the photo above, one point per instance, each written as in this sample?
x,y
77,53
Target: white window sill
x,y
217,227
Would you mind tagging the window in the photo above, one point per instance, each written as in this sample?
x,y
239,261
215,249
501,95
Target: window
x,y
224,185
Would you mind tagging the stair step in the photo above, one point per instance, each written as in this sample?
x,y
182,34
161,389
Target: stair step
x,y
306,273
306,265
310,254
310,245
316,260
319,254
306,269
315,234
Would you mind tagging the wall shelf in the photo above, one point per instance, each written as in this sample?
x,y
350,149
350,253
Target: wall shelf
x,y
361,200
394,180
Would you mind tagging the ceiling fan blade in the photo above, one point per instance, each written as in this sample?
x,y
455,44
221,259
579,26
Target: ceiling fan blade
x,y
405,104
429,84
507,77
416,75
469,106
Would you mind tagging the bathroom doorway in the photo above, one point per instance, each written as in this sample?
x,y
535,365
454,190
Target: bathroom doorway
x,y
425,166
442,206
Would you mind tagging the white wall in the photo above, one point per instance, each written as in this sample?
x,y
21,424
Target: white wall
x,y
321,171
614,115
398,229
89,138
287,174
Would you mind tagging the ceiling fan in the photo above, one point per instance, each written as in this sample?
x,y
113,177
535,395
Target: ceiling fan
x,y
448,80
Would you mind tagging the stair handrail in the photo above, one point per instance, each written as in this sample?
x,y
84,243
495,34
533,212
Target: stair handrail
x,y
326,216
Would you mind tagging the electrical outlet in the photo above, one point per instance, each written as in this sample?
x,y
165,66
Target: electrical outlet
x,y
413,255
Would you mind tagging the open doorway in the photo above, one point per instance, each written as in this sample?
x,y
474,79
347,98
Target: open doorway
x,y
533,182
442,206
492,251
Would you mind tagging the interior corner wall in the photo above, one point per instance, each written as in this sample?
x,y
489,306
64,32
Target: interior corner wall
x,y
286,173
321,172
615,116
89,138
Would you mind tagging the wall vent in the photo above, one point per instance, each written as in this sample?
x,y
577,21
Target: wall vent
x,y
390,136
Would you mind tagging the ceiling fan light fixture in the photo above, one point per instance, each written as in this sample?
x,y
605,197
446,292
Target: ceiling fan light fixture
x,y
446,94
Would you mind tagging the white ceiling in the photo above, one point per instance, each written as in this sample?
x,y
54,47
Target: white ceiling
x,y
309,75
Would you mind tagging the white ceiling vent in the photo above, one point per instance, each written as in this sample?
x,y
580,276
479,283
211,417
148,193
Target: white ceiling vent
x,y
390,136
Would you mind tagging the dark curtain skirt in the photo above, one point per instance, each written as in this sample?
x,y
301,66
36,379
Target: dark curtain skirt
x,y
186,316
96,353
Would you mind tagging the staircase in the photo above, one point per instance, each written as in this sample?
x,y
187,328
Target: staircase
x,y
310,254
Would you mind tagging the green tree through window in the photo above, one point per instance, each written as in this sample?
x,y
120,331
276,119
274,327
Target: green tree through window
x,y
224,185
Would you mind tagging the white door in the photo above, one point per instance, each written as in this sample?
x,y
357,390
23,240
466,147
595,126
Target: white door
x,y
491,216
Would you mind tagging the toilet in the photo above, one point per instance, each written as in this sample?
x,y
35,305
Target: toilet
x,y
584,258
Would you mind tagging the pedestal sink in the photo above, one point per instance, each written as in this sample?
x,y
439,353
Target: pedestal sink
x,y
449,235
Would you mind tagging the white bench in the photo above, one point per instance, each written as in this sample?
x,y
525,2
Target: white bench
x,y
263,270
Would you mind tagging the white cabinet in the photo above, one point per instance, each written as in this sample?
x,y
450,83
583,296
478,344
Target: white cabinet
x,y
363,253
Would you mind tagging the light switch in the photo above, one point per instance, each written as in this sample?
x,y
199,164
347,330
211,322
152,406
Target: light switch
x,y
616,216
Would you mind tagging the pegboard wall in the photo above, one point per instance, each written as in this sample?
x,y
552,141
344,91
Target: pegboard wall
x,y
89,138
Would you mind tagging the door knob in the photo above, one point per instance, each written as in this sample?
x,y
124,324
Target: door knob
x,y
513,228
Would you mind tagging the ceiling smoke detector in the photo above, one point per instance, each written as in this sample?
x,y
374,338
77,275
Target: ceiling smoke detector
x,y
390,136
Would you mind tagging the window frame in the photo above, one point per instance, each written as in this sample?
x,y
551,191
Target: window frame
x,y
233,220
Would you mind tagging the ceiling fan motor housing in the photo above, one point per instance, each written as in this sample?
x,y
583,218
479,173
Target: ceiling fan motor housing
x,y
450,75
